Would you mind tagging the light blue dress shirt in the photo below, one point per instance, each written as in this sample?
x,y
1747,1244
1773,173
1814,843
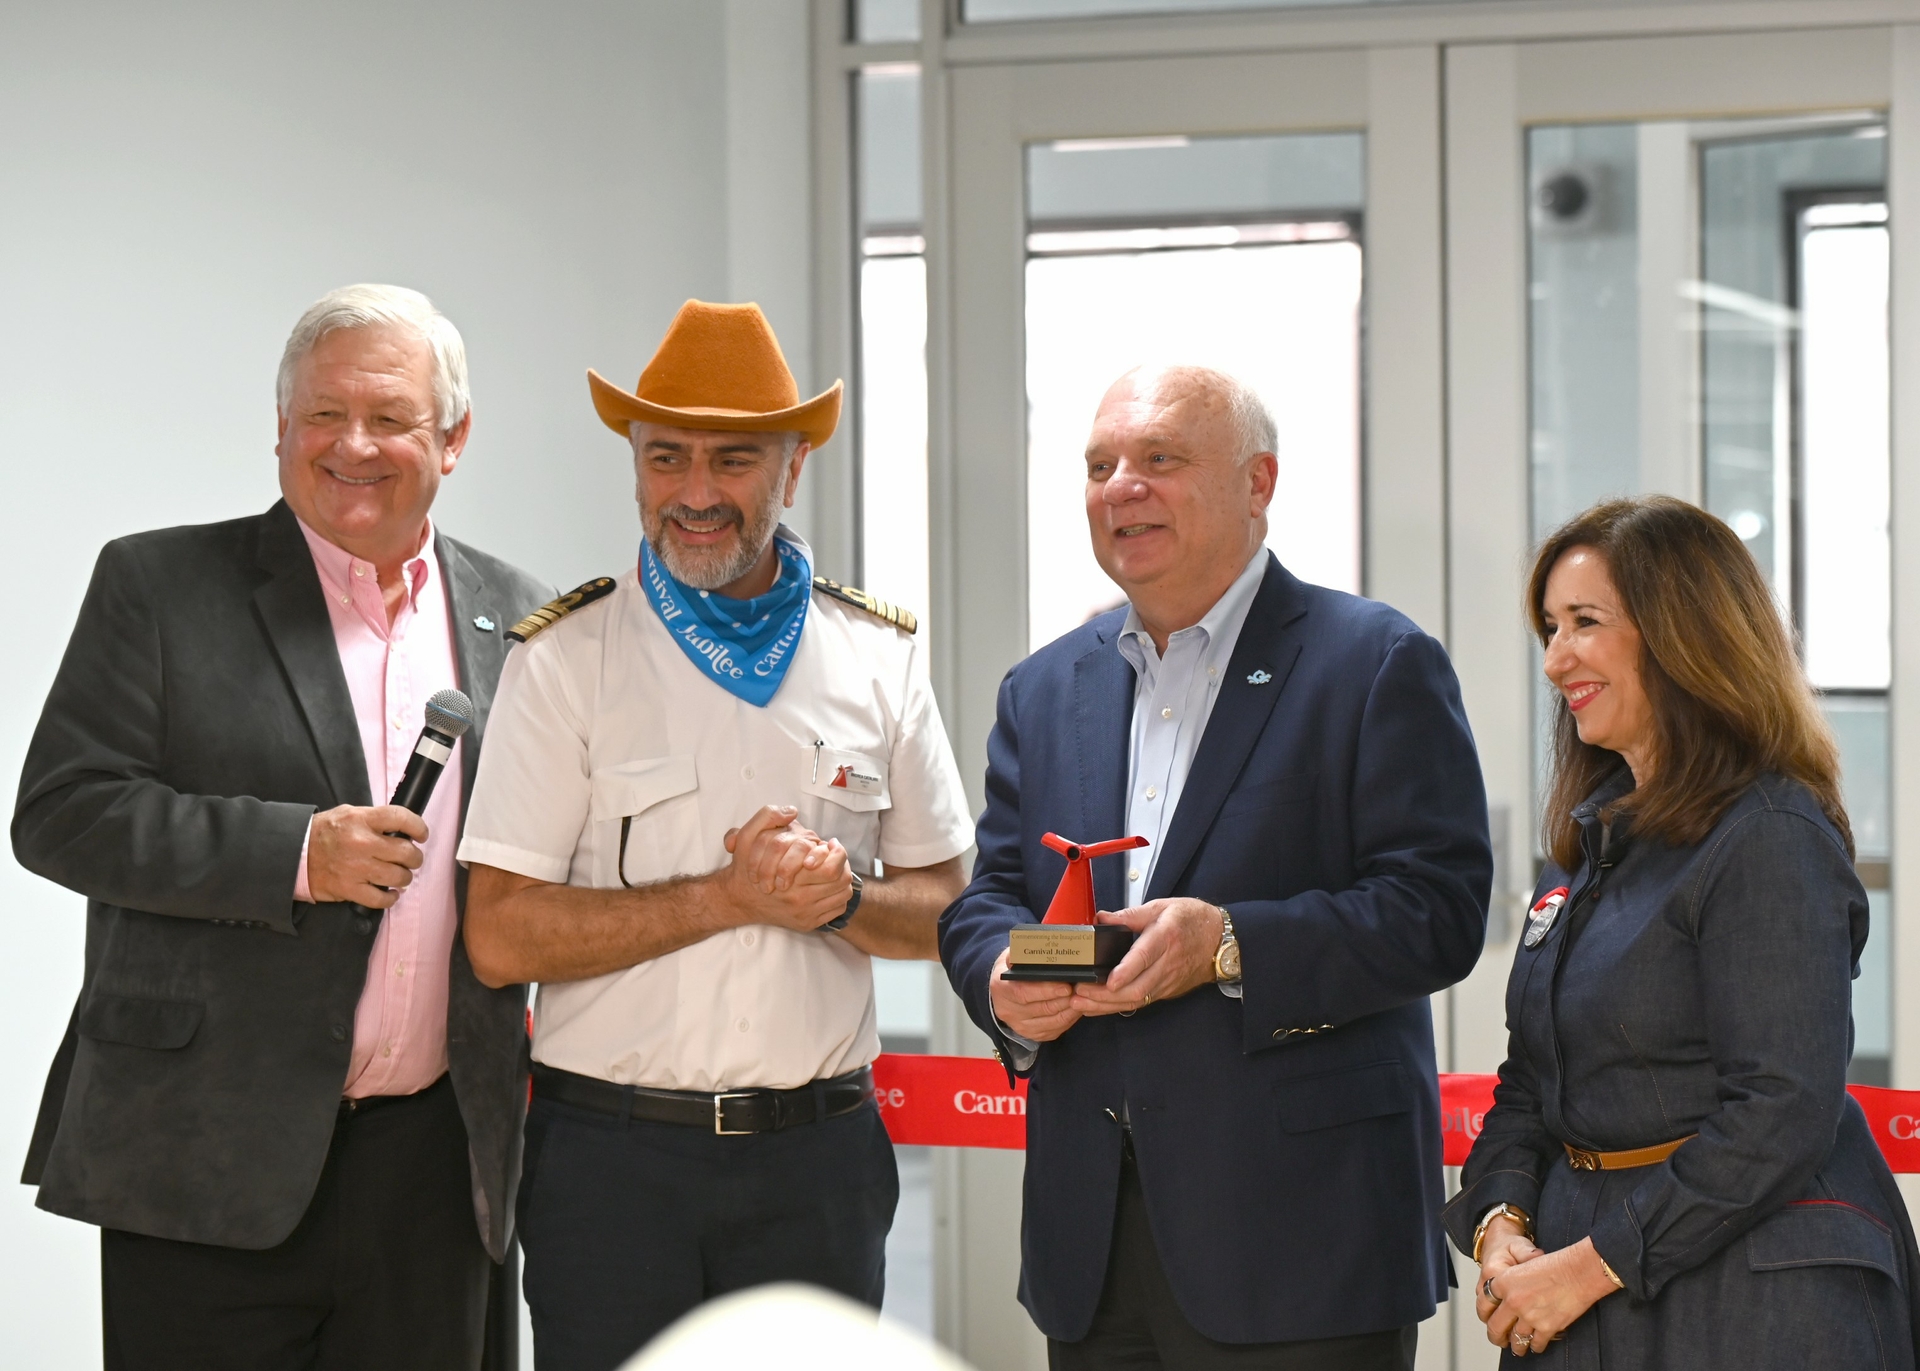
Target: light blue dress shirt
x,y
1173,696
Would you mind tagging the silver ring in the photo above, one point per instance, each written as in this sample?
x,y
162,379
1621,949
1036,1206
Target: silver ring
x,y
1486,1288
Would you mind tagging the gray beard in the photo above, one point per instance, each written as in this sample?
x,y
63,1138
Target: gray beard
x,y
710,570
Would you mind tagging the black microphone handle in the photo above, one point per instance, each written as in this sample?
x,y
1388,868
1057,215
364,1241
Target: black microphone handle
x,y
416,785
424,766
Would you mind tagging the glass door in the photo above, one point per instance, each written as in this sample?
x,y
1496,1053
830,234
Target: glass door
x,y
1668,272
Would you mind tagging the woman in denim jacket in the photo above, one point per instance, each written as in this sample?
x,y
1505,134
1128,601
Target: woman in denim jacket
x,y
1673,1174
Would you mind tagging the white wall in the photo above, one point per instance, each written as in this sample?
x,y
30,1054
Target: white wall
x,y
177,182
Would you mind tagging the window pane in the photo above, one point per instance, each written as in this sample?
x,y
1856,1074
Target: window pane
x,y
1859,722
893,429
1237,253
888,110
1585,305
1747,319
1088,182
893,339
1846,605
886,21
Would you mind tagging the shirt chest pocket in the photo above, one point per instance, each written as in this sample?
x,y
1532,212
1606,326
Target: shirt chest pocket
x,y
845,793
646,821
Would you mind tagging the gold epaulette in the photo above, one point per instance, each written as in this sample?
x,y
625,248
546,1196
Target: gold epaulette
x,y
901,619
553,611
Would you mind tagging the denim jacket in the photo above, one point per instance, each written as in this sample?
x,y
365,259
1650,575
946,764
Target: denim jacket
x,y
1702,993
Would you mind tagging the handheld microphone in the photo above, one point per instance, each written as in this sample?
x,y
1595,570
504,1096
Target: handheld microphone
x,y
449,714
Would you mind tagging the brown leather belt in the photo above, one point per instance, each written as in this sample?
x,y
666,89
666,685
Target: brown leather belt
x,y
1583,1160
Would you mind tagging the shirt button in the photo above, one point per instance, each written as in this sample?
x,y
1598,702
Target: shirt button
x,y
399,968
1152,794
747,937
339,1032
742,1025
1212,671
387,1050
1167,713
359,571
1133,875
747,772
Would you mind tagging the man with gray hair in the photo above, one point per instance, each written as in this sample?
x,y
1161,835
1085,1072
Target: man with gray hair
x,y
284,1097
1233,1140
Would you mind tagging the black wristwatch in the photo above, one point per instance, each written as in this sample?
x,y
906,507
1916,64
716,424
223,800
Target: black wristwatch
x,y
839,921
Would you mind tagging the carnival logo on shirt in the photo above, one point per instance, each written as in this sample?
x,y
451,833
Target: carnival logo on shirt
x,y
848,777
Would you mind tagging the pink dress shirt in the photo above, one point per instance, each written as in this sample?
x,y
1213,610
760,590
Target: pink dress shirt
x,y
400,1028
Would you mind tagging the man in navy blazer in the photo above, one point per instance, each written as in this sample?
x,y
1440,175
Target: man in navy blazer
x,y
1233,1145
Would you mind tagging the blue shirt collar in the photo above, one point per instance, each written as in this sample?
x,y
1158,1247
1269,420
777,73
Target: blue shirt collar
x,y
1218,630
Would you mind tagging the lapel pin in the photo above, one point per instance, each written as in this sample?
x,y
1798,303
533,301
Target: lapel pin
x,y
1540,919
1259,678
483,623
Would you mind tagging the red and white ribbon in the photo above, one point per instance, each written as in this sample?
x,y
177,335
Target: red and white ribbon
x,y
966,1102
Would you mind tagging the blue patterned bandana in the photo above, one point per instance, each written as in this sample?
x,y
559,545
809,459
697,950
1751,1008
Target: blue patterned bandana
x,y
743,646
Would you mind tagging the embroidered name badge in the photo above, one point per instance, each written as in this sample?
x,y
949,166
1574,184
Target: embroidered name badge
x,y
1540,921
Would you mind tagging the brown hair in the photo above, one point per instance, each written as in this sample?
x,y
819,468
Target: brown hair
x,y
1729,698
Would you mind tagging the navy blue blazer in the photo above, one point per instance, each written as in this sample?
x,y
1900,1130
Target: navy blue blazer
x,y
1288,1142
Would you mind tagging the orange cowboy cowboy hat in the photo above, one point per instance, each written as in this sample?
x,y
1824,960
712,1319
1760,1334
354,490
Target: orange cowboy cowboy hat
x,y
719,367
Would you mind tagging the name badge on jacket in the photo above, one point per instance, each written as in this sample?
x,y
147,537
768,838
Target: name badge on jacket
x,y
1545,911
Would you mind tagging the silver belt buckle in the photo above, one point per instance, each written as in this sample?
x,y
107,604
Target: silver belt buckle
x,y
720,1113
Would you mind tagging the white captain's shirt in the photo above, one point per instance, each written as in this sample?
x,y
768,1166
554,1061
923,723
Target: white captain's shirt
x,y
601,720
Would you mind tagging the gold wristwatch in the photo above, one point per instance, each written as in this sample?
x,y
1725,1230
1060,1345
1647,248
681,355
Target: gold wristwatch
x,y
1226,961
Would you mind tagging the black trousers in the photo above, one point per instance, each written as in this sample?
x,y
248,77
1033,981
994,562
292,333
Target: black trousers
x,y
385,1269
627,1225
1138,1326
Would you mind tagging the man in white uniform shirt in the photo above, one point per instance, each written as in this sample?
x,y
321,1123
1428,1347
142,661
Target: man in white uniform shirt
x,y
691,774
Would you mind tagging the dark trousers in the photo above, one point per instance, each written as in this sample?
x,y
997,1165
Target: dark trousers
x,y
627,1225
1138,1325
385,1269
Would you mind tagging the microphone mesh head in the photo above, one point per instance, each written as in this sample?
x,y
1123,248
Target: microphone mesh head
x,y
449,712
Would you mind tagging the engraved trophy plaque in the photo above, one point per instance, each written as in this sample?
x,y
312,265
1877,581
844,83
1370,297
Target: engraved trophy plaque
x,y
1067,945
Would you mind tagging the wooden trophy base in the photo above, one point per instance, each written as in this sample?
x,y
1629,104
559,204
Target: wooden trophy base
x,y
1065,952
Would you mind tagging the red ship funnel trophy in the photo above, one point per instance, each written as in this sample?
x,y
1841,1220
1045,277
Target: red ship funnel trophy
x,y
1067,945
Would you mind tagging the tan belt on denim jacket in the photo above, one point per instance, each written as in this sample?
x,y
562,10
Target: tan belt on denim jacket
x,y
1583,1160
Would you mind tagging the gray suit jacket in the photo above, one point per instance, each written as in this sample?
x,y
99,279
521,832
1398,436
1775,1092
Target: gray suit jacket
x,y
198,720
